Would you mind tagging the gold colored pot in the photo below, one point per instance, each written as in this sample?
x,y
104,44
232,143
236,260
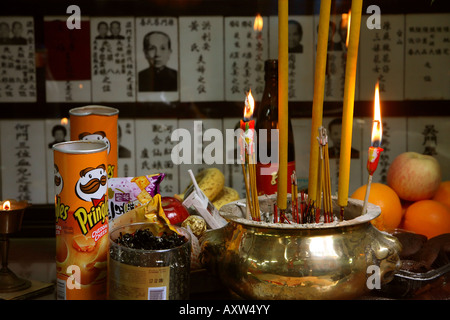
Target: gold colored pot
x,y
341,260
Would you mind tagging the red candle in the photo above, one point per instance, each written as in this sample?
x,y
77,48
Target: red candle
x,y
377,132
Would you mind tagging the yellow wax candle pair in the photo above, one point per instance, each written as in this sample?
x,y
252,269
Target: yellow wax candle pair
x,y
349,98
319,86
317,112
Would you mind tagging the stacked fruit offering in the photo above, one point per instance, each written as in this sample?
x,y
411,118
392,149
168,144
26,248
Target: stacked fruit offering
x,y
414,199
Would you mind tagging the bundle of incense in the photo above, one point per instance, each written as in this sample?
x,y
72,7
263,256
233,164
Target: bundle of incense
x,y
314,210
314,207
249,170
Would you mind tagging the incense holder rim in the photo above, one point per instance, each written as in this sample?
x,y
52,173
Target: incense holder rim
x,y
235,212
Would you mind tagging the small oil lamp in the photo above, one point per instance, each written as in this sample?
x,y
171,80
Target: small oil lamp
x,y
11,214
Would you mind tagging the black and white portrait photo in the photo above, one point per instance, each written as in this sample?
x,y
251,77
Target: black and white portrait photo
x,y
157,59
157,76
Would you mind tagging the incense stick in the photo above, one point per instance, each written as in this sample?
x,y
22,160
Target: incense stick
x,y
327,183
302,206
366,198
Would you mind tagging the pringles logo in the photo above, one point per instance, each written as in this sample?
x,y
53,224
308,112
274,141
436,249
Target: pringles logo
x,y
91,187
99,136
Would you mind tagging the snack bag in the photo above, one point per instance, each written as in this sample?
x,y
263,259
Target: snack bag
x,y
153,212
126,194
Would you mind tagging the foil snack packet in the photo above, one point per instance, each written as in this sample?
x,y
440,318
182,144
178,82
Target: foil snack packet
x,y
128,193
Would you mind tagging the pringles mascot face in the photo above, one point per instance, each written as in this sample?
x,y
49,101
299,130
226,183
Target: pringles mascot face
x,y
92,184
98,135
59,183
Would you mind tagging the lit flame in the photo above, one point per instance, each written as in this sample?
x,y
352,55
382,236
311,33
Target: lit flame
x,y
348,27
377,128
7,205
64,121
249,105
258,24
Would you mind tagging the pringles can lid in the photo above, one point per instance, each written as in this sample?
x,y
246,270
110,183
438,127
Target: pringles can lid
x,y
93,110
80,147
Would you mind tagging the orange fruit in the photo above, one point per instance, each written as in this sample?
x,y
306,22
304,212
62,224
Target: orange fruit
x,y
428,217
442,195
389,202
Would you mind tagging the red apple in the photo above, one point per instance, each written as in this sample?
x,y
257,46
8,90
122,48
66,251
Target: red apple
x,y
174,210
414,176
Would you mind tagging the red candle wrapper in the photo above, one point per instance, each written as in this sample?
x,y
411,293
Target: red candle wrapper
x,y
249,132
374,157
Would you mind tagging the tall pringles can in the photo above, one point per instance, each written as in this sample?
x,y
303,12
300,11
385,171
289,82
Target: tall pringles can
x,y
97,123
81,211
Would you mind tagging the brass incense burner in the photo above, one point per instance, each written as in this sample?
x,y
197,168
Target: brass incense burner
x,y
258,260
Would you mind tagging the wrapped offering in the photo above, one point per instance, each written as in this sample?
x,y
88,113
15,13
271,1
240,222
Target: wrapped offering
x,y
126,194
151,212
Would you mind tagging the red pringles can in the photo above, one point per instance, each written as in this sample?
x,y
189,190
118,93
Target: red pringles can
x,y
81,211
97,123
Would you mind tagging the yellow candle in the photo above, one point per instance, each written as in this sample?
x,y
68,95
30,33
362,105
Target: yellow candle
x,y
319,85
349,99
283,16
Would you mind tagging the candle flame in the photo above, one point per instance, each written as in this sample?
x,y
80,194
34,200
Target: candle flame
x,y
249,106
258,24
377,128
64,121
7,205
349,18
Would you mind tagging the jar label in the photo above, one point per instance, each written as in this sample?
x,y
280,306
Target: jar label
x,y
128,282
